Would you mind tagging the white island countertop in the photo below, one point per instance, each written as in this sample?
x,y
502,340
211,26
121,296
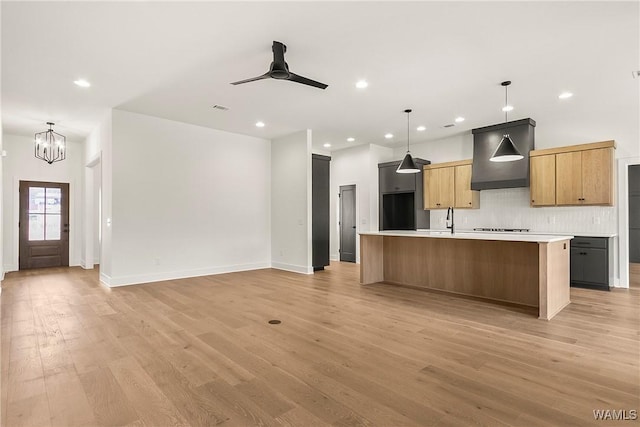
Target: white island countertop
x,y
507,237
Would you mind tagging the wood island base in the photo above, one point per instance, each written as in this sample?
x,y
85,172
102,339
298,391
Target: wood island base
x,y
534,274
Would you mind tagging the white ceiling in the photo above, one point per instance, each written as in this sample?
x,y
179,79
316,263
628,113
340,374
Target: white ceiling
x,y
442,59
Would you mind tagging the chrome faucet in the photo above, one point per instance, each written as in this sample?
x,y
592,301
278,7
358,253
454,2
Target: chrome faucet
x,y
452,226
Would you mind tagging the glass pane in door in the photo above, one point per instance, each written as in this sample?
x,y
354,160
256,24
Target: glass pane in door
x,y
54,200
36,226
53,222
36,200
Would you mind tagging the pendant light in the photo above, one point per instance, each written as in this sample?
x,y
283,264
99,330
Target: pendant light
x,y
50,146
407,165
506,151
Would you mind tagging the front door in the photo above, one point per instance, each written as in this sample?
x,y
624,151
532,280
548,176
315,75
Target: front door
x,y
44,224
348,223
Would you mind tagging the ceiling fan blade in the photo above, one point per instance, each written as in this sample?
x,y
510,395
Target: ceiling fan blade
x,y
305,81
253,79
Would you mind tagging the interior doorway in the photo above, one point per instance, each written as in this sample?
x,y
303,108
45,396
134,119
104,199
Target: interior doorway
x,y
348,223
43,224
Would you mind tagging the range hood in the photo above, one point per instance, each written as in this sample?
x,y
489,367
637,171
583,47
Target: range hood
x,y
488,175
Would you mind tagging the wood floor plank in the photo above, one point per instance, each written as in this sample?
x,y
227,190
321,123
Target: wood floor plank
x,y
68,403
109,403
197,408
200,352
29,412
152,406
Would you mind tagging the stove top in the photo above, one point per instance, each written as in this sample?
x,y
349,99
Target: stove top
x,y
504,230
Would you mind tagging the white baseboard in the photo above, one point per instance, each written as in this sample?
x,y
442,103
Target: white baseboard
x,y
302,269
10,267
173,275
105,280
334,257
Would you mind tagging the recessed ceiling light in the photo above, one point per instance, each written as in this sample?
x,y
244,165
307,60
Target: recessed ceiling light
x,y
361,84
351,139
388,135
82,83
507,108
421,128
260,124
327,145
565,95
459,119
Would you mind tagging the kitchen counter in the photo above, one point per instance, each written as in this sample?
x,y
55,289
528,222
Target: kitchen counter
x,y
545,233
521,268
477,235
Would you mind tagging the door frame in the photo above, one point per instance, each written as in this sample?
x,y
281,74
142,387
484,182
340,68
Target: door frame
x,y
623,219
339,221
12,263
92,173
18,230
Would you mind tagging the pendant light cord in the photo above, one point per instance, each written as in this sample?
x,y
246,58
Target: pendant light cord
x,y
506,103
408,130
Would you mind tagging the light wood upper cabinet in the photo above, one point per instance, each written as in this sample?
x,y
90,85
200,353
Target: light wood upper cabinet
x,y
583,175
569,178
543,180
464,196
597,177
449,185
438,188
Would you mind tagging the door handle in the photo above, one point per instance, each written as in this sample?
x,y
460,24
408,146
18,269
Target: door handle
x,y
353,226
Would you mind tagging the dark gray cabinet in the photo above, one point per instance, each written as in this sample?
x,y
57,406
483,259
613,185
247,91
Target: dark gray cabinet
x,y
634,213
401,205
391,181
590,262
320,168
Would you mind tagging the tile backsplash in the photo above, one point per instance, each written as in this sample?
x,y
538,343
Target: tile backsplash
x,y
509,208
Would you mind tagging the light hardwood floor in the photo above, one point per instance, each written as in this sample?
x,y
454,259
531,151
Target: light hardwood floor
x,y
200,352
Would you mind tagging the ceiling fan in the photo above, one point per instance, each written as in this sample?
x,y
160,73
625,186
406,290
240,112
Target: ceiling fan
x,y
280,70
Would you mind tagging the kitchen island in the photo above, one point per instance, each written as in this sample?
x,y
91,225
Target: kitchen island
x,y
525,269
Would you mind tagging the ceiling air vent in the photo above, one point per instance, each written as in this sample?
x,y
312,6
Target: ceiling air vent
x,y
450,125
220,107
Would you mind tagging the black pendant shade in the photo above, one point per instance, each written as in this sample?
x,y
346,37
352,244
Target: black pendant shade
x,y
506,151
407,165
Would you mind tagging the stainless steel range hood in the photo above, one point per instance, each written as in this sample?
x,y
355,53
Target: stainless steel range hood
x,y
488,175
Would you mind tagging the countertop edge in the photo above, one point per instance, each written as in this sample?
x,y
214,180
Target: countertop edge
x,y
507,237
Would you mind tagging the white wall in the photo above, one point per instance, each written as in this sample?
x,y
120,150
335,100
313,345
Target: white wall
x,y
357,165
186,200
21,165
509,208
291,203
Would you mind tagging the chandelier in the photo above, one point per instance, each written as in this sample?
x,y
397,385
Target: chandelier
x,y
50,146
